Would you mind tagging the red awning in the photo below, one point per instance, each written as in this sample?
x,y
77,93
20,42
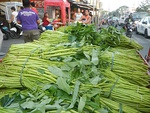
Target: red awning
x,y
62,4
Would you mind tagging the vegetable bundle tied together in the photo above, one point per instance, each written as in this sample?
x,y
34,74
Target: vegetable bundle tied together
x,y
71,73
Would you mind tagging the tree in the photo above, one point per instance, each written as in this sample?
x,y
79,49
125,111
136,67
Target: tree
x,y
104,13
122,10
144,6
119,12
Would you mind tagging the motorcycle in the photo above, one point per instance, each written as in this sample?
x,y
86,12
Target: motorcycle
x,y
6,32
129,30
17,30
41,28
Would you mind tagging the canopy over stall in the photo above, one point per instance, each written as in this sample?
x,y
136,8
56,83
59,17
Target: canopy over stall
x,y
63,4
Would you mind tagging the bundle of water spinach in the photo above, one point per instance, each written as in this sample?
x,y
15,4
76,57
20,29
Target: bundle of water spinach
x,y
66,74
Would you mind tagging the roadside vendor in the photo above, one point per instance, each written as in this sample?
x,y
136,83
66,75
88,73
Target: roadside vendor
x,y
46,20
86,19
57,21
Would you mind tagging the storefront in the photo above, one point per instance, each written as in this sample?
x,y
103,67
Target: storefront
x,y
62,5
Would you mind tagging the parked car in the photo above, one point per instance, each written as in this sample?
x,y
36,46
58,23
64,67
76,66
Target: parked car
x,y
143,27
137,16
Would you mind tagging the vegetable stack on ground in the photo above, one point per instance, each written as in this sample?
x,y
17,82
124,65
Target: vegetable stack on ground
x,y
77,76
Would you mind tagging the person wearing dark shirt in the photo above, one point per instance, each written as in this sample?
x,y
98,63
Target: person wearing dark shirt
x,y
128,20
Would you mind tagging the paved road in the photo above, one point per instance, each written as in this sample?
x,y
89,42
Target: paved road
x,y
139,38
7,43
145,42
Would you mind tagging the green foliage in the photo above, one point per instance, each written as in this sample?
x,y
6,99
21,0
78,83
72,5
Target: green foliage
x,y
81,71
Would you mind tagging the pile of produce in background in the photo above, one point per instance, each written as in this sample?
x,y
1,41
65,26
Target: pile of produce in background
x,y
75,70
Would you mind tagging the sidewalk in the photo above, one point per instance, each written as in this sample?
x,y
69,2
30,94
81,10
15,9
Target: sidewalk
x,y
7,43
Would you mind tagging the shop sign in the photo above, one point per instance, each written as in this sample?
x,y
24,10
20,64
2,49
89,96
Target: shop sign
x,y
38,3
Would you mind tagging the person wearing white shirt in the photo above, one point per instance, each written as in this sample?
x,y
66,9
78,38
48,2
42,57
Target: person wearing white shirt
x,y
13,16
78,15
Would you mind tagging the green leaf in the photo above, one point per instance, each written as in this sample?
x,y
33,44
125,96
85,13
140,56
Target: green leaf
x,y
120,108
44,102
95,59
85,62
75,94
67,59
36,111
41,71
92,104
95,80
54,106
62,84
87,55
72,64
40,108
93,92
103,110
28,105
6,100
46,86
65,68
72,38
81,104
56,71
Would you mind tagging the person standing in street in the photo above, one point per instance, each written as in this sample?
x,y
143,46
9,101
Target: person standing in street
x,y
78,15
46,20
33,7
14,14
29,21
86,19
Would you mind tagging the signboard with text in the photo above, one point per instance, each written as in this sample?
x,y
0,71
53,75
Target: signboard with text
x,y
38,3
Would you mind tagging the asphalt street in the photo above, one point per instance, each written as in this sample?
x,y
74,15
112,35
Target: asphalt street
x,y
139,38
145,42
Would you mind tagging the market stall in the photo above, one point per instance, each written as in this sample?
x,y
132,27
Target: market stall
x,y
63,4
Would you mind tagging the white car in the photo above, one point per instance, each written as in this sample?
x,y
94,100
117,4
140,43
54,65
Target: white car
x,y
143,27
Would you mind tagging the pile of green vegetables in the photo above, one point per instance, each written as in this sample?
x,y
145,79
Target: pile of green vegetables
x,y
75,70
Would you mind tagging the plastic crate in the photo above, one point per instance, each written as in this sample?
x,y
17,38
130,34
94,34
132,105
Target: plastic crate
x,y
49,27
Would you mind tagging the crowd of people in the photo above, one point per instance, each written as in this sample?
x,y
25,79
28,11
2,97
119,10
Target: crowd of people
x,y
84,17
28,17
